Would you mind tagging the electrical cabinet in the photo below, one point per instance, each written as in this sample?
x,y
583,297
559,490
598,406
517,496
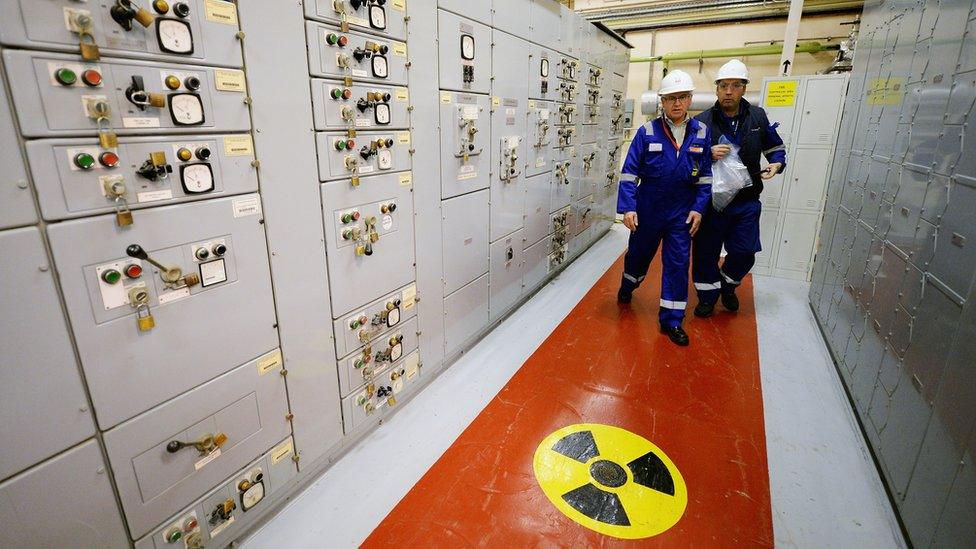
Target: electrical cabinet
x,y
466,133
368,153
337,106
77,177
380,394
380,352
464,53
536,213
369,238
505,273
564,181
73,490
536,264
49,425
543,82
60,95
362,326
540,129
333,53
166,457
146,303
189,31
372,16
465,239
545,23
465,313
510,16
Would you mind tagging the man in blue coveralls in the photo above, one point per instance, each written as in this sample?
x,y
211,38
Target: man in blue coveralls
x,y
665,185
737,226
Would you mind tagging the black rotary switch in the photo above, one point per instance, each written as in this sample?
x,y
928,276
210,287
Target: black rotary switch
x,y
362,104
360,53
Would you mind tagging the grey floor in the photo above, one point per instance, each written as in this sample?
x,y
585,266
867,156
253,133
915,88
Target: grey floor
x,y
825,490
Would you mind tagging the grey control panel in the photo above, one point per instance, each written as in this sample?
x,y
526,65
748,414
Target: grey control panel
x,y
373,16
368,153
337,106
333,53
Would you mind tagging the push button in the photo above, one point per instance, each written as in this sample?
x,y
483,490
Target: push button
x,y
173,82
133,271
108,159
65,77
84,161
111,276
92,78
184,154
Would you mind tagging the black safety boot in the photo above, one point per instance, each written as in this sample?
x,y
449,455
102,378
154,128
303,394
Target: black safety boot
x,y
704,310
730,302
623,296
676,335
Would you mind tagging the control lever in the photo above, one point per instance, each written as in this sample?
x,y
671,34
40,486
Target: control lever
x,y
205,445
137,95
156,167
171,275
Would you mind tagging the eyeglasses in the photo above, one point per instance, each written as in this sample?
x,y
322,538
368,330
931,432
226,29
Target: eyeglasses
x,y
672,98
724,86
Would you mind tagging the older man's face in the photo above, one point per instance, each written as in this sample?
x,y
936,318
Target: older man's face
x,y
676,104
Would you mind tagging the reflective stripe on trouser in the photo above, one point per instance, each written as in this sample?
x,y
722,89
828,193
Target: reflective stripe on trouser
x,y
737,227
675,258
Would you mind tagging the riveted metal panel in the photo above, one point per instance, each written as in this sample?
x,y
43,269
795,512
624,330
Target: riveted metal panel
x,y
16,202
36,427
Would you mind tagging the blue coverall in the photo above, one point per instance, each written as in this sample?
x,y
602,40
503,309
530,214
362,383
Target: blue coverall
x,y
663,183
737,226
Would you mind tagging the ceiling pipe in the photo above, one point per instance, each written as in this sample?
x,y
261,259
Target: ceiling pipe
x,y
745,51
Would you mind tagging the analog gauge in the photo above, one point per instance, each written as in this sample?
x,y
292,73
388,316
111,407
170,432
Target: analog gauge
x,y
174,36
252,496
380,67
544,69
467,47
197,178
186,109
382,113
377,17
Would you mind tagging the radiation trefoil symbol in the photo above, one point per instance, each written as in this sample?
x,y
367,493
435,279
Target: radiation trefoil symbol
x,y
610,480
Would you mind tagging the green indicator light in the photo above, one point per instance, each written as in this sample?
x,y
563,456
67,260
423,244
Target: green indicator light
x,y
111,276
66,77
84,161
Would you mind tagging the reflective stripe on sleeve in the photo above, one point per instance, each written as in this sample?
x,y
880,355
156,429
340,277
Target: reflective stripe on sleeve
x,y
628,177
774,149
708,286
673,304
706,180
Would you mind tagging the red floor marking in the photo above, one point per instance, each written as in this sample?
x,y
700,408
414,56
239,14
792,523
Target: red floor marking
x,y
702,405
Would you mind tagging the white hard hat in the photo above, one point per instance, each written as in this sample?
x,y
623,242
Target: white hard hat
x,y
733,69
676,81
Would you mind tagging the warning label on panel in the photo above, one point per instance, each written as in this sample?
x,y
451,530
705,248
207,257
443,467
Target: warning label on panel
x,y
781,94
220,11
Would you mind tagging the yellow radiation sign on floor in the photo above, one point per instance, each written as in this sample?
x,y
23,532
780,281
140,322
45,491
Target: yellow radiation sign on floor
x,y
610,480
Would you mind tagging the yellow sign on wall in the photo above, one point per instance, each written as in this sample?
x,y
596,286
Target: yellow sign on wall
x,y
885,91
781,93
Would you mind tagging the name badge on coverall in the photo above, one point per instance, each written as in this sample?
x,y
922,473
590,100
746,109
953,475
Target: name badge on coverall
x,y
653,147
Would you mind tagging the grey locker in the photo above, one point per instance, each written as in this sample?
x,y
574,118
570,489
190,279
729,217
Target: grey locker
x,y
129,369
380,396
465,239
508,166
465,143
955,260
817,123
247,406
383,314
505,274
207,520
540,138
564,181
336,54
206,33
368,153
465,313
361,270
64,502
387,18
543,64
536,265
809,175
368,106
536,213
478,11
217,165
510,16
35,427
464,53
16,202
545,23
361,367
213,100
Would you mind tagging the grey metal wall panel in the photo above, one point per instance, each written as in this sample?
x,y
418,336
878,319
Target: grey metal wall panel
x,y
224,166
54,25
248,406
545,23
464,53
354,54
362,269
104,323
536,215
510,16
295,232
569,32
369,153
478,11
372,17
34,426
369,106
16,202
465,239
465,313
465,143
506,264
47,108
73,490
536,265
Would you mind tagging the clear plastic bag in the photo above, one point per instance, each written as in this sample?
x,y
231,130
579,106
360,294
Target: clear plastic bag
x,y
729,176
